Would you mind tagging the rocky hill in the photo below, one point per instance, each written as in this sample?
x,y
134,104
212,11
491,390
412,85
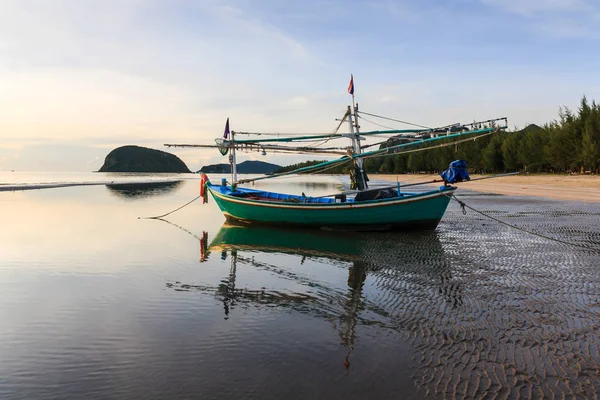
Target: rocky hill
x,y
142,159
246,167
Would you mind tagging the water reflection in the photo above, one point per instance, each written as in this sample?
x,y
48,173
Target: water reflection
x,y
143,190
474,310
386,265
304,242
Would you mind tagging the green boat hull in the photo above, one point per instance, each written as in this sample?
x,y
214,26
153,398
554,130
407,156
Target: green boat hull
x,y
421,211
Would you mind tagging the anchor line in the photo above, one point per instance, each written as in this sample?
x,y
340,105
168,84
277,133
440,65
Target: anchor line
x,y
463,205
171,212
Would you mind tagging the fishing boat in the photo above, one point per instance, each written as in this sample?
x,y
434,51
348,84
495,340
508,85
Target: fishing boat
x,y
361,208
365,211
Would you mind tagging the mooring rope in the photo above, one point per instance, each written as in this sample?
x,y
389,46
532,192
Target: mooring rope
x,y
180,227
463,206
171,212
395,120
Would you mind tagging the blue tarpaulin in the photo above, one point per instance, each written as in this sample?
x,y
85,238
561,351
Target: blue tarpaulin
x,y
457,172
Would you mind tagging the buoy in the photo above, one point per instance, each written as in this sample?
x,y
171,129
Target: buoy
x,y
203,184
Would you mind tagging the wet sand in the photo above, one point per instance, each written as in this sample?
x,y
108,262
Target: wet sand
x,y
187,308
559,187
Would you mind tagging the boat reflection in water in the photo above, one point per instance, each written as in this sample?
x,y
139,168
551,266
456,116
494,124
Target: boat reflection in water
x,y
394,268
143,190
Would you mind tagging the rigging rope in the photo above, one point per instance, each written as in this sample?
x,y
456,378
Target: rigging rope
x,y
330,167
366,146
375,153
430,147
395,120
375,123
299,170
331,133
278,134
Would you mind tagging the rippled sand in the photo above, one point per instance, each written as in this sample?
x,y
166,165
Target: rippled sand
x,y
500,313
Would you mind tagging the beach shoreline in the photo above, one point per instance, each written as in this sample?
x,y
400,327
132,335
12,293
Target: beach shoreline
x,y
559,187
8,187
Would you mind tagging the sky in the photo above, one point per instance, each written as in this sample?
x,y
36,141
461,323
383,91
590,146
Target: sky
x,y
81,77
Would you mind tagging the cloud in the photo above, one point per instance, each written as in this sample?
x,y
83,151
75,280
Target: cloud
x,y
97,74
566,28
74,104
249,25
388,98
529,7
555,18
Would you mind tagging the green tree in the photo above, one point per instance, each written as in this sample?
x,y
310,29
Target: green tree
x,y
492,155
530,151
510,149
590,141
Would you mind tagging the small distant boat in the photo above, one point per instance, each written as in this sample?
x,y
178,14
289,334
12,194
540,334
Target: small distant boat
x,y
363,208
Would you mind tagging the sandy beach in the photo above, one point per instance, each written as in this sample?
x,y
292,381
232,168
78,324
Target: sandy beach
x,y
559,187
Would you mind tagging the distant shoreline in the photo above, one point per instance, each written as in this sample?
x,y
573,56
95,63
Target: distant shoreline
x,y
37,186
558,187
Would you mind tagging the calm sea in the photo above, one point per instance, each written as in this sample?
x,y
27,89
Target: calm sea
x,y
96,302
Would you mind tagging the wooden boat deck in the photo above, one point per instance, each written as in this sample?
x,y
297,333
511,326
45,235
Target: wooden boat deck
x,y
259,195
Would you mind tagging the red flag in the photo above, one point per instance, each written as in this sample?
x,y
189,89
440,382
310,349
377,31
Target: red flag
x,y
351,85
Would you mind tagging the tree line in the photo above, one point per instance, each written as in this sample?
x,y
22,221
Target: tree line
x,y
569,144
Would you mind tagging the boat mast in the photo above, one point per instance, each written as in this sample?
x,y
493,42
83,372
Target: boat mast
x,y
354,136
232,160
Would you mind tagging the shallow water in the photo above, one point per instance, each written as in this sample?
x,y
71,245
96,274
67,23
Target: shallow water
x,y
96,303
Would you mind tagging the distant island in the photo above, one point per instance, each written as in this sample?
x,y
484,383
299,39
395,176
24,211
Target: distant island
x,y
142,159
246,167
